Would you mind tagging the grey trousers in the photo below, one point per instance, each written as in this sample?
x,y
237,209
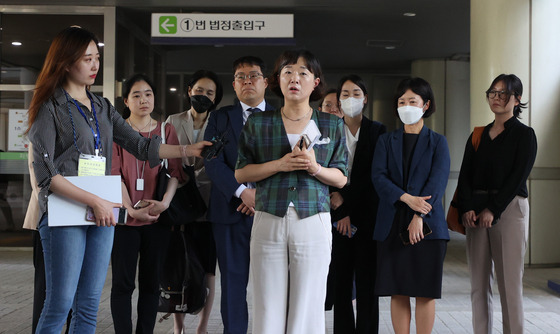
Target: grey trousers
x,y
501,248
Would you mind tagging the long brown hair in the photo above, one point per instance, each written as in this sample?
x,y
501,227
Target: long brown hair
x,y
66,49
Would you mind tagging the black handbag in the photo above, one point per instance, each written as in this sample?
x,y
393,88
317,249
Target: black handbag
x,y
183,287
187,205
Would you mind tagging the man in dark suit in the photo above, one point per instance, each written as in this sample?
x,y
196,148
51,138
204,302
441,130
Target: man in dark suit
x,y
232,204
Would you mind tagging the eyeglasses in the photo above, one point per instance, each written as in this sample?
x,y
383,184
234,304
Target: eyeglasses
x,y
330,106
253,76
502,94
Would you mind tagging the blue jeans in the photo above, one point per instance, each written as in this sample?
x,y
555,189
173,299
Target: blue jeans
x,y
76,262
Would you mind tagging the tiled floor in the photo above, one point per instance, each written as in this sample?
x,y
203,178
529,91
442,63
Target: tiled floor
x,y
453,313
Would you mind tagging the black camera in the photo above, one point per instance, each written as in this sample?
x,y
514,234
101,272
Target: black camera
x,y
218,143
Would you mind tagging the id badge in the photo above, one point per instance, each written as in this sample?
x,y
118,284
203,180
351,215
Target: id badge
x,y
91,165
140,184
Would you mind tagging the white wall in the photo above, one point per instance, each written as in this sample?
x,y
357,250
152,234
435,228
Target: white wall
x,y
520,37
544,117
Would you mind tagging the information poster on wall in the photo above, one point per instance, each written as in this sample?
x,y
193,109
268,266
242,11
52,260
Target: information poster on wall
x,y
17,124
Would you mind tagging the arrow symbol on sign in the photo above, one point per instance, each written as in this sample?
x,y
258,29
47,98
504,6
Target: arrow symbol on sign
x,y
165,25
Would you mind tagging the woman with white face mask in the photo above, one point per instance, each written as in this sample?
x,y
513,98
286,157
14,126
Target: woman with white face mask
x,y
354,253
410,170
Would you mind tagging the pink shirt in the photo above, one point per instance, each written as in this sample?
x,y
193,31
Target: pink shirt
x,y
130,169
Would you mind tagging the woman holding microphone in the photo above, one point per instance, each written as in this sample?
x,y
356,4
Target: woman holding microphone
x,y
67,126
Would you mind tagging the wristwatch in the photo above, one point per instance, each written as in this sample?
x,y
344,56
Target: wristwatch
x,y
421,215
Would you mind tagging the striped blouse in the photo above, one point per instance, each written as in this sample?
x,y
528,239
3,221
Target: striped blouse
x,y
60,130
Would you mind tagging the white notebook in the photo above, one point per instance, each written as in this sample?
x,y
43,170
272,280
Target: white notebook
x,y
64,211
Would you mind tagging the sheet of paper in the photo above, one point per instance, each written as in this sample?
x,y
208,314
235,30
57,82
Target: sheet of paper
x,y
64,211
312,132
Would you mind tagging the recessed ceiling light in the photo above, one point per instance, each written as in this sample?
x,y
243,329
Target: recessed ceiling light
x,y
409,14
390,47
100,44
383,43
16,43
172,89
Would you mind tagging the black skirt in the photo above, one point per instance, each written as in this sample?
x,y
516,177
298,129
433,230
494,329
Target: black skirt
x,y
409,270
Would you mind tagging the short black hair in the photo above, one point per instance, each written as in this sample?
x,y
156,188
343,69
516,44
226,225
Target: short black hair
x,y
418,86
128,87
212,76
329,91
291,57
357,80
514,87
249,60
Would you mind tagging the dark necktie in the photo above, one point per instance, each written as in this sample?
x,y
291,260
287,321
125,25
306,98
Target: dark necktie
x,y
252,184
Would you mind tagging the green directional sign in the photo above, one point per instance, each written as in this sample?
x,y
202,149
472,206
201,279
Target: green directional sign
x,y
168,24
185,27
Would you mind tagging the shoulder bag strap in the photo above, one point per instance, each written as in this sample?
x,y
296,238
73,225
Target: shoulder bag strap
x,y
476,136
164,162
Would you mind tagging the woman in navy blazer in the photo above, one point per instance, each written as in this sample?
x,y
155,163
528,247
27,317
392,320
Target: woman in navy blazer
x,y
409,172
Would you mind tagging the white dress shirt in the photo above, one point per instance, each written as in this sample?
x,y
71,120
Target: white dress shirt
x,y
351,143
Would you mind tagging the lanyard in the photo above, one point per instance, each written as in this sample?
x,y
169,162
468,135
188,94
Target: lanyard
x,y
144,162
97,135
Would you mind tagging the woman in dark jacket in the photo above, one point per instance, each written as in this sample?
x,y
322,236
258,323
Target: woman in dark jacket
x,y
492,196
355,206
410,171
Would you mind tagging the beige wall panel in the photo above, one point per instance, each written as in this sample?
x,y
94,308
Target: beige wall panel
x,y
544,227
500,43
545,82
433,71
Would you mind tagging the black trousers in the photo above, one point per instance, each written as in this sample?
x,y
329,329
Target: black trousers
x,y
150,243
40,284
355,259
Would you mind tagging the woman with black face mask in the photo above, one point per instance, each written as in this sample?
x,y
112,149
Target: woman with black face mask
x,y
205,93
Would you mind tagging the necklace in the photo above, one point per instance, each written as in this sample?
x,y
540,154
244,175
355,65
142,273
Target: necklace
x,y
137,128
297,119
